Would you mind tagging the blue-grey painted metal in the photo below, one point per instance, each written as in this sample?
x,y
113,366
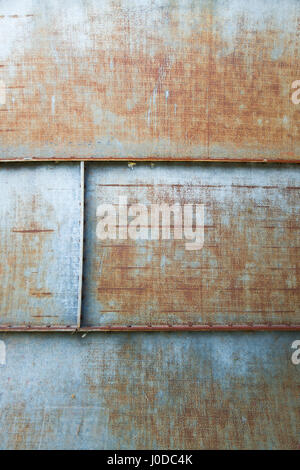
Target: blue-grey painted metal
x,y
149,80
246,272
39,244
149,391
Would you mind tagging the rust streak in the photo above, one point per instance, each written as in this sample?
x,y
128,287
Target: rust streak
x,y
33,231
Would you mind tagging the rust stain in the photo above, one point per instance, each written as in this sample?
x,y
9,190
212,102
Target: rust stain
x,y
150,391
36,230
149,328
246,274
132,93
208,404
33,282
39,293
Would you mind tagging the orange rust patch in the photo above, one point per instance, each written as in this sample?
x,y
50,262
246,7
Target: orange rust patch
x,y
40,294
131,92
246,273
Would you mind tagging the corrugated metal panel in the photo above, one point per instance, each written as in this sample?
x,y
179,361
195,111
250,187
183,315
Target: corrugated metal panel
x,y
246,273
210,79
149,391
39,244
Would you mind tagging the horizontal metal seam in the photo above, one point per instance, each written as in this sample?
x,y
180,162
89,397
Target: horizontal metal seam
x,y
108,159
128,328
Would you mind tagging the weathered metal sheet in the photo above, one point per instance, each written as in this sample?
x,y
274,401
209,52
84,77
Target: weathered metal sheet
x,y
39,244
149,391
245,275
210,79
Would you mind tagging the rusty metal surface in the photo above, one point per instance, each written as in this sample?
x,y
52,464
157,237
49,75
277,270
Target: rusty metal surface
x,y
253,327
152,328
159,79
246,275
141,391
39,244
188,327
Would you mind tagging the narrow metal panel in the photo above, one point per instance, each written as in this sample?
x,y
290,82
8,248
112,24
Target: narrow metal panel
x,y
210,79
245,276
39,244
141,391
80,273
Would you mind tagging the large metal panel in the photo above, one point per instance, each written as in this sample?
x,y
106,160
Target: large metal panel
x,y
39,244
210,79
149,391
246,274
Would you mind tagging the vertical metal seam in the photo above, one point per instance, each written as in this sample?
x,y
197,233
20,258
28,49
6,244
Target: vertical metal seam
x,y
80,276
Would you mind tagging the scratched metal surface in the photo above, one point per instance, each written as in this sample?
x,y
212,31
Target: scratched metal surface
x,y
247,271
149,391
39,244
150,79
